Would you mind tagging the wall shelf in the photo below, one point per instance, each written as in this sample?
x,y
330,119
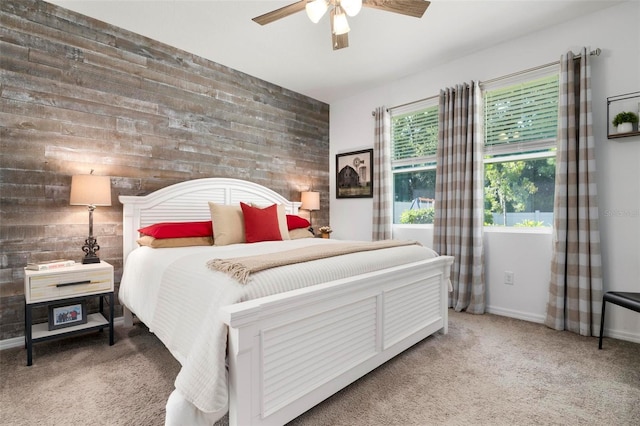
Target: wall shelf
x,y
616,104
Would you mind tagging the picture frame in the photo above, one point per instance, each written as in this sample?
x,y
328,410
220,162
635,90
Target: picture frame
x,y
626,104
67,314
354,174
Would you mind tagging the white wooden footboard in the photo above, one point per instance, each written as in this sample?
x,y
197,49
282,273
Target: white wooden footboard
x,y
290,351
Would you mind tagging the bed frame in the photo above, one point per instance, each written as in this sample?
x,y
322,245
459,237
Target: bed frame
x,y
290,351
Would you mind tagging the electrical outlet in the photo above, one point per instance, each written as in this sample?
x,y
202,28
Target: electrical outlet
x,y
508,277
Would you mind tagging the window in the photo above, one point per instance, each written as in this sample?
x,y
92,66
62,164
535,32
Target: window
x,y
414,139
520,131
521,122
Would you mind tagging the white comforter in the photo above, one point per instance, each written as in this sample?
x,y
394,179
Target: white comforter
x,y
174,293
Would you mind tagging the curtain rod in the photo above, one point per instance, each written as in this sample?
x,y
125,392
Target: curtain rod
x,y
595,52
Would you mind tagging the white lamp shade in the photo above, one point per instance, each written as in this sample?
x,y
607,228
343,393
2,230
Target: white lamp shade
x,y
340,24
90,190
310,200
351,7
316,9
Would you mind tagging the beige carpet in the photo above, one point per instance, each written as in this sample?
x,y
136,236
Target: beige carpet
x,y
488,370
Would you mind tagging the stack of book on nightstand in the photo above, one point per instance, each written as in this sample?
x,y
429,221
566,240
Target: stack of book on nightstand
x,y
50,264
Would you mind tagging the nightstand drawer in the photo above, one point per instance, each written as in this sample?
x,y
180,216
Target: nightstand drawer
x,y
69,284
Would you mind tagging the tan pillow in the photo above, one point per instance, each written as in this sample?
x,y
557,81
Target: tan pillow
x,y
295,234
149,241
228,224
282,220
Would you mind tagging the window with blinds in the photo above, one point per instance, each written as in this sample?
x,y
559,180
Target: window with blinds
x,y
520,130
521,117
414,140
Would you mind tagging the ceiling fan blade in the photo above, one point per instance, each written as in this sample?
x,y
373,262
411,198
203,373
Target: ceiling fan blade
x,y
283,12
415,8
340,41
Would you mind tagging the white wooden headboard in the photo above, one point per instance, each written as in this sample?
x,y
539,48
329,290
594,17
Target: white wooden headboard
x,y
189,201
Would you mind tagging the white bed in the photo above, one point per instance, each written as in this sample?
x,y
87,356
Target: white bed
x,y
287,348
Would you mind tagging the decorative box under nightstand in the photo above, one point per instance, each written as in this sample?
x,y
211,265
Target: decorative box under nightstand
x,y
65,292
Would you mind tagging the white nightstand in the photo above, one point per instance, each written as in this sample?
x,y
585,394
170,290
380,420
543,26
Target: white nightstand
x,y
63,290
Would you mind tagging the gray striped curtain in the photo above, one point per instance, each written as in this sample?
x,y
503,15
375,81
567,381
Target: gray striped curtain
x,y
575,290
459,198
382,187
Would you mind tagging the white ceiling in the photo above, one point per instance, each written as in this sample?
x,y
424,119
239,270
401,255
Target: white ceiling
x,y
296,54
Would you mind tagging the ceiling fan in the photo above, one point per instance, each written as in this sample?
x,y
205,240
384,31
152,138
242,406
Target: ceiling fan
x,y
338,11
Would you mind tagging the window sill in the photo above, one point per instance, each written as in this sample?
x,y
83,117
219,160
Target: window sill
x,y
518,230
488,229
413,225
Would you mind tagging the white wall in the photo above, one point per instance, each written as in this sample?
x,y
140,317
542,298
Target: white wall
x,y
616,31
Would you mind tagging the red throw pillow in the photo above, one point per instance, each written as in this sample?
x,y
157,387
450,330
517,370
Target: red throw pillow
x,y
295,222
178,229
261,224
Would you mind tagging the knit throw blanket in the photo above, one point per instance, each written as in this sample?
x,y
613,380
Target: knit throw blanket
x,y
240,268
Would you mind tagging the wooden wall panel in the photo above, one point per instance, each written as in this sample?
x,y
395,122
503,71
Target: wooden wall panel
x,y
77,94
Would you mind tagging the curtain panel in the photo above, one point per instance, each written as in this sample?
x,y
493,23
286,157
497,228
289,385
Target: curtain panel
x,y
382,185
459,197
575,288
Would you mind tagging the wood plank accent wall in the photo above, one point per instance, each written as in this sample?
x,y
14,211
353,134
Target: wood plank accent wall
x,y
77,94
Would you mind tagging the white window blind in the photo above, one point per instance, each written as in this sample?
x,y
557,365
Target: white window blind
x,y
414,137
522,117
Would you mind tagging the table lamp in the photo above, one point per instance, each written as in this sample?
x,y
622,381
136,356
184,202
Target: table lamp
x,y
91,191
310,201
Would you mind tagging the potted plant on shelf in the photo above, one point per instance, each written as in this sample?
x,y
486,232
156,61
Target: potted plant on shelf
x,y
325,231
624,121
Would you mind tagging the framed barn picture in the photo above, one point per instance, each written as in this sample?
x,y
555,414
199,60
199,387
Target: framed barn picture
x,y
354,174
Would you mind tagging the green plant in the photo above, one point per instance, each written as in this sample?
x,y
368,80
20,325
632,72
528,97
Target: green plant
x,y
488,218
418,215
625,117
528,223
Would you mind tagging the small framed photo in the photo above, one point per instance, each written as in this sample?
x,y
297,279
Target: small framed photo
x,y
354,174
67,315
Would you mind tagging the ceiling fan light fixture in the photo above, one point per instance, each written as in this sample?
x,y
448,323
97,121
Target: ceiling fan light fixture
x,y
351,7
340,24
338,11
316,9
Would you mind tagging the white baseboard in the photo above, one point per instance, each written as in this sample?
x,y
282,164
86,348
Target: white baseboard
x,y
622,335
526,316
15,342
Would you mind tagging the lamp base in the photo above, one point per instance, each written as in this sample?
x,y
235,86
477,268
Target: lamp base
x,y
90,248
